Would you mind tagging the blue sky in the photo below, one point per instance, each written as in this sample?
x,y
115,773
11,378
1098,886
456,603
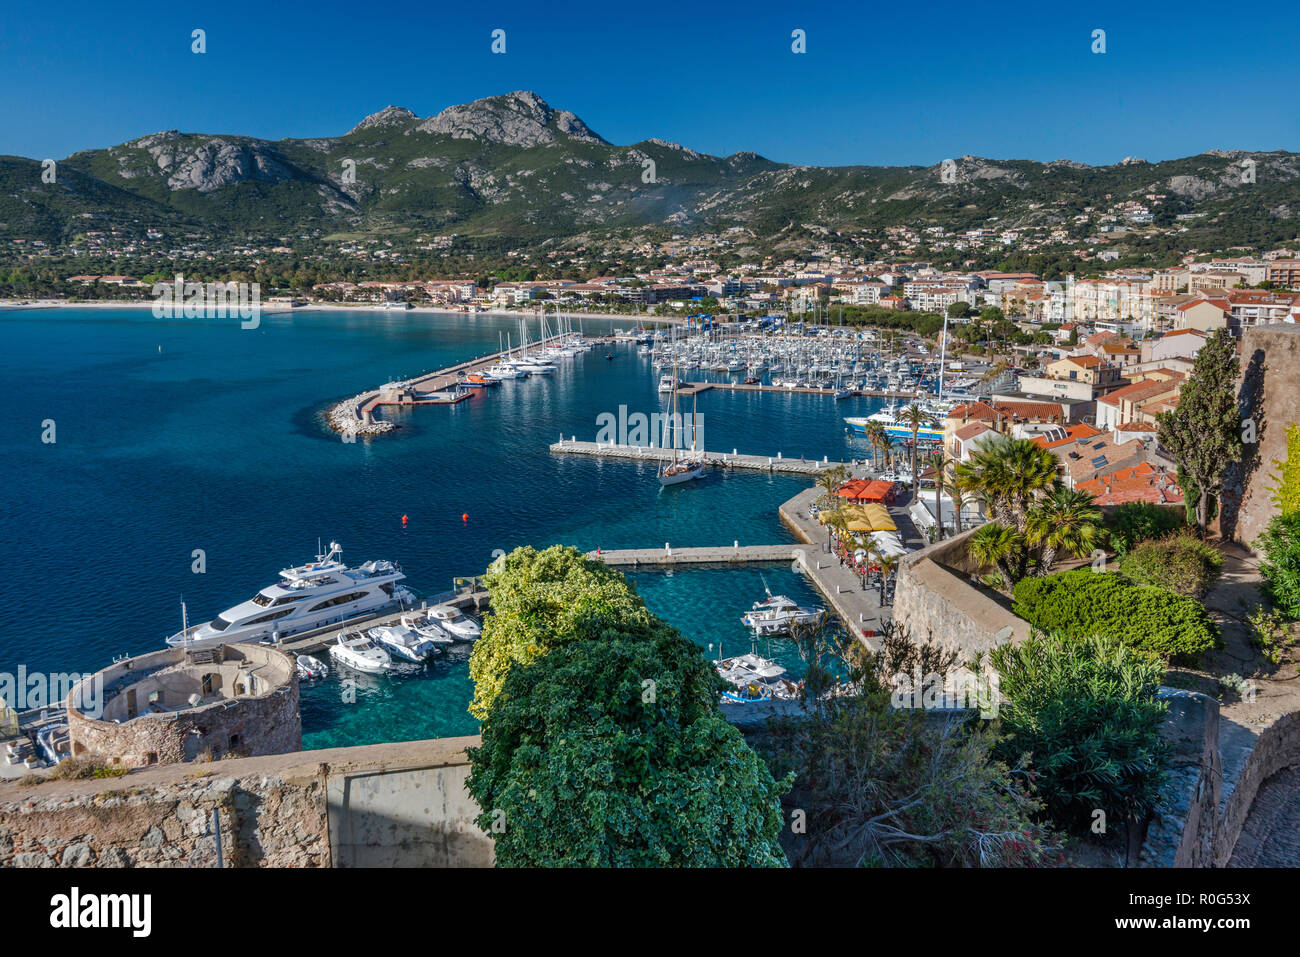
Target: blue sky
x,y
879,84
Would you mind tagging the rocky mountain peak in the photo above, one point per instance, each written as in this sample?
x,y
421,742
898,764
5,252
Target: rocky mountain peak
x,y
388,116
521,118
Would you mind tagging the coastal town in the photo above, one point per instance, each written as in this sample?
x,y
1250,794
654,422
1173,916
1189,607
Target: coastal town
x,y
832,463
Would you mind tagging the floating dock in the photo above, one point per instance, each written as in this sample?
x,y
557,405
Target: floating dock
x,y
720,555
688,389
726,460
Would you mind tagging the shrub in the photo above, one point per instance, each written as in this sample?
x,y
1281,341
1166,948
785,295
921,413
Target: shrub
x,y
584,769
1182,563
1084,603
1280,544
1270,633
602,740
1134,522
1287,494
1084,712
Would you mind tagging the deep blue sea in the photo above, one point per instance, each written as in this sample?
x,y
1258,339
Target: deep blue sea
x,y
173,435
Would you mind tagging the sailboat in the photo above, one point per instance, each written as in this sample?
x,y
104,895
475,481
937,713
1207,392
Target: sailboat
x,y
688,468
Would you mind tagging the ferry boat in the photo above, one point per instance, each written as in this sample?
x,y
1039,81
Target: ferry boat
x,y
306,597
895,427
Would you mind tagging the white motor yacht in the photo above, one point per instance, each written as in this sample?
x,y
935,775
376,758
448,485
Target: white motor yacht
x,y
427,628
306,597
402,642
459,626
360,652
775,614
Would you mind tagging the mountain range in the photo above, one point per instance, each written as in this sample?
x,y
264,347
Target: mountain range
x,y
516,169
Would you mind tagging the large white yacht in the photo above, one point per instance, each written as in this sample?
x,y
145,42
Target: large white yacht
x,y
306,597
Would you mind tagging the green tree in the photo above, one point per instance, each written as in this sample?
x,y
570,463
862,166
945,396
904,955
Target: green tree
x,y
602,743
1203,431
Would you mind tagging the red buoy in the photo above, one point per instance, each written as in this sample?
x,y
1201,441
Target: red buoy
x,y
464,516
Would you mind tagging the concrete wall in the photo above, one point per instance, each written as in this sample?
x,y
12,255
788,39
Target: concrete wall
x,y
1269,389
382,805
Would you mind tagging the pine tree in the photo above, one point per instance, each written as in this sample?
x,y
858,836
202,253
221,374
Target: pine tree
x,y
1203,432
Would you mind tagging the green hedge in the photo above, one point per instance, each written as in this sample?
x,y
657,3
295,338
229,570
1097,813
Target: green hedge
x,y
1135,522
1083,603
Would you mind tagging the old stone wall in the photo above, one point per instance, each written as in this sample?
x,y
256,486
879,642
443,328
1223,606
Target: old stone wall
x,y
1269,389
133,736
388,805
934,599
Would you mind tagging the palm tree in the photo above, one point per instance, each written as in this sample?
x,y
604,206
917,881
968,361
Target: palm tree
x,y
887,565
1066,520
998,546
835,521
1009,474
878,438
914,417
832,479
958,494
935,461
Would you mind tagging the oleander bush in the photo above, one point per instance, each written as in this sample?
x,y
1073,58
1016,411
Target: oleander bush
x,y
1082,715
1182,562
1135,522
1280,545
1085,603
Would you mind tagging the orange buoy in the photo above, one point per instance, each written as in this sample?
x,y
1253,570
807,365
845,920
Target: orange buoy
x,y
403,519
464,517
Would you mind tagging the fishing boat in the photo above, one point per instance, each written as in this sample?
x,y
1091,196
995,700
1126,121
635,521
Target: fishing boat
x,y
776,613
311,667
402,642
359,652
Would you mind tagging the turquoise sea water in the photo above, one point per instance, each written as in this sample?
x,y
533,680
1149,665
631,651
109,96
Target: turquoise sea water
x,y
177,435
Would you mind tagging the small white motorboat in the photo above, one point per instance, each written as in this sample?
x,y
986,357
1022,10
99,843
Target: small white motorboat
x,y
455,623
402,642
428,629
310,667
359,652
